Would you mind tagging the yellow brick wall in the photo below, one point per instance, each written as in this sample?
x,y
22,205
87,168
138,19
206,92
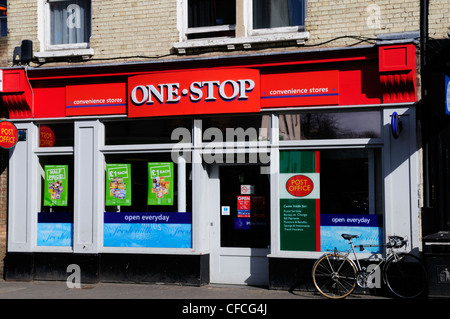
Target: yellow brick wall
x,y
344,19
119,28
22,24
128,28
133,28
439,19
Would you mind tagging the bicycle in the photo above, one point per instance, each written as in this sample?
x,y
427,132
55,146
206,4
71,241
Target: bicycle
x,y
335,275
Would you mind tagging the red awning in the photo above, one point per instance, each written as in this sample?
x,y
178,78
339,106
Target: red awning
x,y
16,93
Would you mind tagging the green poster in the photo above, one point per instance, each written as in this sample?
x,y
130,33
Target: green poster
x,y
160,183
299,201
56,182
118,185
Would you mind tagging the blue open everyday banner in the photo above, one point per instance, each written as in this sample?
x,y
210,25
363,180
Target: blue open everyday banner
x,y
367,227
148,229
55,229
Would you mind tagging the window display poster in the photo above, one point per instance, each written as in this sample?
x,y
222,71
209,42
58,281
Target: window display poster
x,y
299,201
56,182
367,227
160,184
243,206
55,229
118,185
148,229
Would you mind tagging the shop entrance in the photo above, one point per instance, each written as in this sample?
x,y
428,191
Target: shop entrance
x,y
240,236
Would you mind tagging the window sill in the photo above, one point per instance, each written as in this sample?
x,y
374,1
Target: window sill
x,y
58,54
246,42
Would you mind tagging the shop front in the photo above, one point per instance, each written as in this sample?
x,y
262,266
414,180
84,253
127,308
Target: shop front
x,y
237,170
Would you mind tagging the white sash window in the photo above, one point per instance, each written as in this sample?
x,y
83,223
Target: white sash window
x,y
69,23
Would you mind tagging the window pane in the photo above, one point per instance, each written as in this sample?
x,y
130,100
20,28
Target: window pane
x,y
70,22
53,135
278,13
55,190
342,125
139,187
144,131
229,128
350,182
207,13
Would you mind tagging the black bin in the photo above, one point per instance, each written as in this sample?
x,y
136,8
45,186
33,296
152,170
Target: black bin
x,y
437,262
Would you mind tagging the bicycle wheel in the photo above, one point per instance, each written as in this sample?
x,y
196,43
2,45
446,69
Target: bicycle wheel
x,y
405,275
334,276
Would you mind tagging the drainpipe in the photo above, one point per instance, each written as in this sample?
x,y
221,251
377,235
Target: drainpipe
x,y
425,116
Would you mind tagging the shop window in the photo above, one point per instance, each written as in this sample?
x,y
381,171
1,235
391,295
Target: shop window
x,y
55,135
145,206
326,193
55,216
69,23
349,180
339,125
236,128
142,184
144,131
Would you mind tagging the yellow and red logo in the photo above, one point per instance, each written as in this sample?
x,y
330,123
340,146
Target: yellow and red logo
x,y
299,185
8,134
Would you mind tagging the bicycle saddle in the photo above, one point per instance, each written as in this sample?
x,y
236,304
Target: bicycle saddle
x,y
348,237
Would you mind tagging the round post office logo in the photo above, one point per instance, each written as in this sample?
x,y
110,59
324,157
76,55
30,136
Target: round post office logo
x,y
299,185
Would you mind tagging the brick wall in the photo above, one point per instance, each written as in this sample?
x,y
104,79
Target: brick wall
x,y
344,19
133,28
439,19
124,28
22,24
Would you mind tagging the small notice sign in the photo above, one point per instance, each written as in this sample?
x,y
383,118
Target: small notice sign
x,y
247,189
225,210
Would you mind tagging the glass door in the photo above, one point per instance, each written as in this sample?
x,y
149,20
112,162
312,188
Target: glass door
x,y
241,226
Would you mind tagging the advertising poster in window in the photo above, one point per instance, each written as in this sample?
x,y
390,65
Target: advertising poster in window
x,y
56,185
299,201
367,227
160,184
118,185
147,229
55,229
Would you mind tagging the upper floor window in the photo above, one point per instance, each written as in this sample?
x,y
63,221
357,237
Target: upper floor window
x,y
219,22
3,17
69,23
64,29
208,18
269,14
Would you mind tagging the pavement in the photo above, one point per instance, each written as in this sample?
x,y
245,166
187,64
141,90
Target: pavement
x,y
60,290
175,301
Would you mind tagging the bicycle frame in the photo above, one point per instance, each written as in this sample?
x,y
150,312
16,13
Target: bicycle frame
x,y
356,263
335,275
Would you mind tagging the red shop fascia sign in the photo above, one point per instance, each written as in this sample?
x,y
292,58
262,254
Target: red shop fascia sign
x,y
388,76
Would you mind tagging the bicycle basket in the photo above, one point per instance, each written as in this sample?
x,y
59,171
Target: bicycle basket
x,y
396,242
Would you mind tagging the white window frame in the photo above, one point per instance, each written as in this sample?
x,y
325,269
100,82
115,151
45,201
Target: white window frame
x,y
248,8
48,50
187,30
245,35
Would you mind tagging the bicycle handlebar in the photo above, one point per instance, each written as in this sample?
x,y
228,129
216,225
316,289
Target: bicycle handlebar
x,y
394,241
